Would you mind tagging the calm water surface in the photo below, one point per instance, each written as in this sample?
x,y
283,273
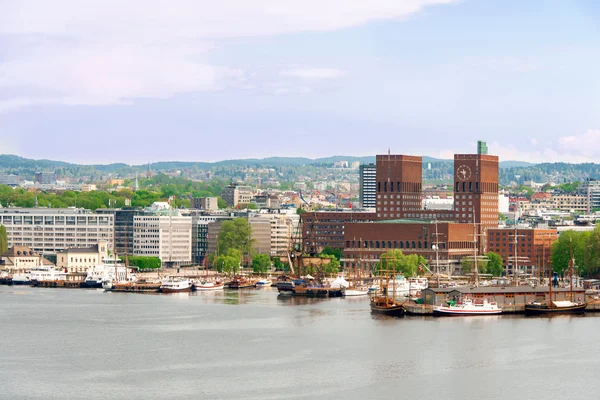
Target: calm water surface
x,y
73,344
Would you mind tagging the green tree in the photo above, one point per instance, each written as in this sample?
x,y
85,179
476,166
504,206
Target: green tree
x,y
235,234
494,265
592,258
397,261
468,264
328,251
3,240
278,264
560,251
144,262
261,263
227,264
221,203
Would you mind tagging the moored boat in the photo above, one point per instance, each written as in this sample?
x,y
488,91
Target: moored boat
x,y
356,292
208,286
175,285
285,285
21,279
386,306
554,307
468,307
240,282
264,282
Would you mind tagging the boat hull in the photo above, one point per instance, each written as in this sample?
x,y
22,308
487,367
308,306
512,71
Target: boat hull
x,y
209,288
453,312
534,309
355,292
91,285
393,311
172,290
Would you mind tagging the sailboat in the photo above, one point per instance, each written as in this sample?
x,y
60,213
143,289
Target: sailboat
x,y
552,307
205,285
353,290
384,304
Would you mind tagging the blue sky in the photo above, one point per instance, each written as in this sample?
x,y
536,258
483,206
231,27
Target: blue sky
x,y
144,81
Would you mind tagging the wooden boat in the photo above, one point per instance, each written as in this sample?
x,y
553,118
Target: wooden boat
x,y
240,282
387,306
553,307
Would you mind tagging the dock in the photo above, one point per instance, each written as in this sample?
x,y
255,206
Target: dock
x,y
136,288
59,284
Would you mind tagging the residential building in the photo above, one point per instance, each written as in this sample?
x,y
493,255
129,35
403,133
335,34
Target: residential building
x,y
50,230
164,234
368,185
46,178
88,187
591,190
80,259
236,194
205,203
9,179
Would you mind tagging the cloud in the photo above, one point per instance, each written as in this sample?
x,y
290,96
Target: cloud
x,y
570,149
313,73
111,51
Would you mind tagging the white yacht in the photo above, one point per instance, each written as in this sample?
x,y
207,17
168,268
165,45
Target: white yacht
x,y
264,282
175,285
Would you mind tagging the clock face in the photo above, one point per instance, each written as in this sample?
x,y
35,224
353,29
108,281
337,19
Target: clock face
x,y
463,172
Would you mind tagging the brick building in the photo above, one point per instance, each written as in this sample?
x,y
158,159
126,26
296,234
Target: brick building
x,y
533,247
400,217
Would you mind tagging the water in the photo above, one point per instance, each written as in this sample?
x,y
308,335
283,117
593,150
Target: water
x,y
73,344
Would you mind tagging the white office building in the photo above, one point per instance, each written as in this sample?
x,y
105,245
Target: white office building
x,y
166,235
51,230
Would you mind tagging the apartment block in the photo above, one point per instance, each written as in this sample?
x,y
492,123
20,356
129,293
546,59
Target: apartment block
x,y
368,185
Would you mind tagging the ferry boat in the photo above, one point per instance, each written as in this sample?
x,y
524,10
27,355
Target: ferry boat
x,y
208,286
46,273
399,286
468,307
175,285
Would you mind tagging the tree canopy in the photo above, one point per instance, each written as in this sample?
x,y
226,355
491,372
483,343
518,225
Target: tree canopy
x,y
261,263
235,234
560,252
494,265
3,240
395,260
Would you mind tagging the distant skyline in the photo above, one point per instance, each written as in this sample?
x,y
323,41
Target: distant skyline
x,y
98,82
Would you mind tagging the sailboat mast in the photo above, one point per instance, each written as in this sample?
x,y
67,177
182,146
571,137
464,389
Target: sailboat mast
x,y
475,251
571,267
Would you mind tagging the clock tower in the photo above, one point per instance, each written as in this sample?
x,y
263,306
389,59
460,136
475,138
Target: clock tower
x,y
476,188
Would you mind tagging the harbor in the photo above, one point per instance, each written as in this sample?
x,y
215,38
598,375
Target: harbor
x,y
275,344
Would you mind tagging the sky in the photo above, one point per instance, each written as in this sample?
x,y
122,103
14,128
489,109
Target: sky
x,y
138,81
